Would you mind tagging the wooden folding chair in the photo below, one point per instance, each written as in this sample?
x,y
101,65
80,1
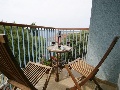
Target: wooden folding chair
x,y
25,79
87,71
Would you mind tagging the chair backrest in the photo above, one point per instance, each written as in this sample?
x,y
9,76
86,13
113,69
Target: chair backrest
x,y
9,66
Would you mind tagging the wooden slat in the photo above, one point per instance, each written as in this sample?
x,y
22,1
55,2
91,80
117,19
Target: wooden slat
x,y
36,73
37,77
82,67
31,70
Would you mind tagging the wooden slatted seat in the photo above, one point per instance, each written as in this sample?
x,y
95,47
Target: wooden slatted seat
x,y
82,67
26,78
86,71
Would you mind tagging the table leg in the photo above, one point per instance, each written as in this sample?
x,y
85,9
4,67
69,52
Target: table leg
x,y
50,59
57,72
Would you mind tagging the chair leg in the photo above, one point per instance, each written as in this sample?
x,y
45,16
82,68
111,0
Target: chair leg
x,y
98,86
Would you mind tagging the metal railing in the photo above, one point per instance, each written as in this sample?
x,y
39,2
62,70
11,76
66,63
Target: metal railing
x,y
29,42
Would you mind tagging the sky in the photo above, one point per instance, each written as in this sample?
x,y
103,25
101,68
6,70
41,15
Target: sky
x,y
50,13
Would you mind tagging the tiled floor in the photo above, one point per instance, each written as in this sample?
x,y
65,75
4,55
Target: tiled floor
x,y
67,82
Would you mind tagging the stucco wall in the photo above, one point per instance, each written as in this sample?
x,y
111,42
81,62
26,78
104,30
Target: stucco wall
x,y
104,26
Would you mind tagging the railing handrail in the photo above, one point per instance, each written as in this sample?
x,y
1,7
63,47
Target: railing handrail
x,y
35,26
72,28
23,25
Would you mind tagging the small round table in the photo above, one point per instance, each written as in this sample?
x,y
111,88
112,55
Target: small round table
x,y
57,50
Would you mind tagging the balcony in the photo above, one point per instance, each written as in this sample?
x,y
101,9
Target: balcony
x,y
30,42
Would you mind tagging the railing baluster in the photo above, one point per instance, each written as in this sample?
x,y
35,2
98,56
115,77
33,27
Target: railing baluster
x,y
41,34
72,44
4,29
12,40
69,35
44,41
69,39
66,36
39,44
64,39
51,36
18,46
85,47
24,45
35,37
65,43
83,44
48,38
47,30
76,45
80,45
32,44
55,34
28,43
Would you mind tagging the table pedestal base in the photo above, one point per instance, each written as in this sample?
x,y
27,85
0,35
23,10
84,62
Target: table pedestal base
x,y
57,77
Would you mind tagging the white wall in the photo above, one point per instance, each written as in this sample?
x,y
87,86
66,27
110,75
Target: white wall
x,y
104,26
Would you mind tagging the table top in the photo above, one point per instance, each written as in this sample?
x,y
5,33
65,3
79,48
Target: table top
x,y
62,49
